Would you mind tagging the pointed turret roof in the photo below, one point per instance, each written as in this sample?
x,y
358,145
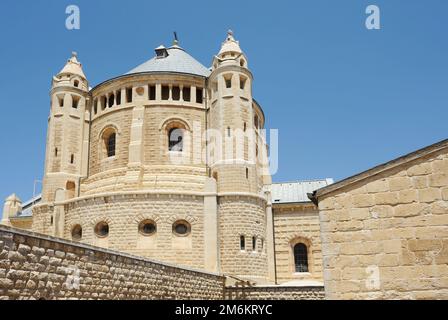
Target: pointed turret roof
x,y
73,66
13,198
230,45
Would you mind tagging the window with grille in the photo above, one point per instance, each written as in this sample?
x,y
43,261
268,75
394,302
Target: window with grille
x,y
176,137
301,257
111,144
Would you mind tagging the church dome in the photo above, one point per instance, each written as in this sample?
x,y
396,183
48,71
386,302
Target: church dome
x,y
173,59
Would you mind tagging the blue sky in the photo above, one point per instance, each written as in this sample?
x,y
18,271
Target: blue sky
x,y
343,98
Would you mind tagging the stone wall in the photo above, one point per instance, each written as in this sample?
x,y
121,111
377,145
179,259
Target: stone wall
x,y
297,223
275,293
121,121
34,266
243,216
123,213
39,267
386,236
142,160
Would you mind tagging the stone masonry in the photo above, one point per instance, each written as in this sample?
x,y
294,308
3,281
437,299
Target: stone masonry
x,y
41,267
385,232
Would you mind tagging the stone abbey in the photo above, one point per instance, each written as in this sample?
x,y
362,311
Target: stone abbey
x,y
169,162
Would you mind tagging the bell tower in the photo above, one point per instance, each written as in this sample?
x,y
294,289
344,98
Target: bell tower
x,y
67,135
232,144
231,117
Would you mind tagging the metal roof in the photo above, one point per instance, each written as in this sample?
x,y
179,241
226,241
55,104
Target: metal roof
x,y
291,192
177,61
27,207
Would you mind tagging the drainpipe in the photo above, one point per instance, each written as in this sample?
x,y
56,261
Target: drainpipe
x,y
88,149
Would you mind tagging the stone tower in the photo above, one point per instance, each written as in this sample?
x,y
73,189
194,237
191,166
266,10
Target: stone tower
x,y
230,87
233,152
12,206
67,136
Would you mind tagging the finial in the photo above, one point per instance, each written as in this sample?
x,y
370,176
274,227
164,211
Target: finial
x,y
176,40
74,57
230,33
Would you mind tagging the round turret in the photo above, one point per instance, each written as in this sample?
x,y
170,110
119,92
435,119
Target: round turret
x,y
67,140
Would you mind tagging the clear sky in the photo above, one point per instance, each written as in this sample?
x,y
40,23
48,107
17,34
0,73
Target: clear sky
x,y
344,98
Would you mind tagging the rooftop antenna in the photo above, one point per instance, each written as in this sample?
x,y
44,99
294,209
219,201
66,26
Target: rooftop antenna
x,y
176,40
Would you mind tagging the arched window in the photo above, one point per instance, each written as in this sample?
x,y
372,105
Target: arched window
x,y
70,186
111,144
77,232
175,139
301,257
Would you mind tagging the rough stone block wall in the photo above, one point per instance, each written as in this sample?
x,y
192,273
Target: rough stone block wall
x,y
293,224
387,237
39,267
275,293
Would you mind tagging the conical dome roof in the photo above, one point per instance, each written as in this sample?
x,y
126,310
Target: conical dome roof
x,y
13,198
73,66
173,59
230,45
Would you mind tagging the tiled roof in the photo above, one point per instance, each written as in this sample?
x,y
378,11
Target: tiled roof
x,y
177,61
292,192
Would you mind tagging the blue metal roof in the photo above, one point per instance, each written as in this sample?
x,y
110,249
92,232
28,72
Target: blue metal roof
x,y
291,192
27,207
177,61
